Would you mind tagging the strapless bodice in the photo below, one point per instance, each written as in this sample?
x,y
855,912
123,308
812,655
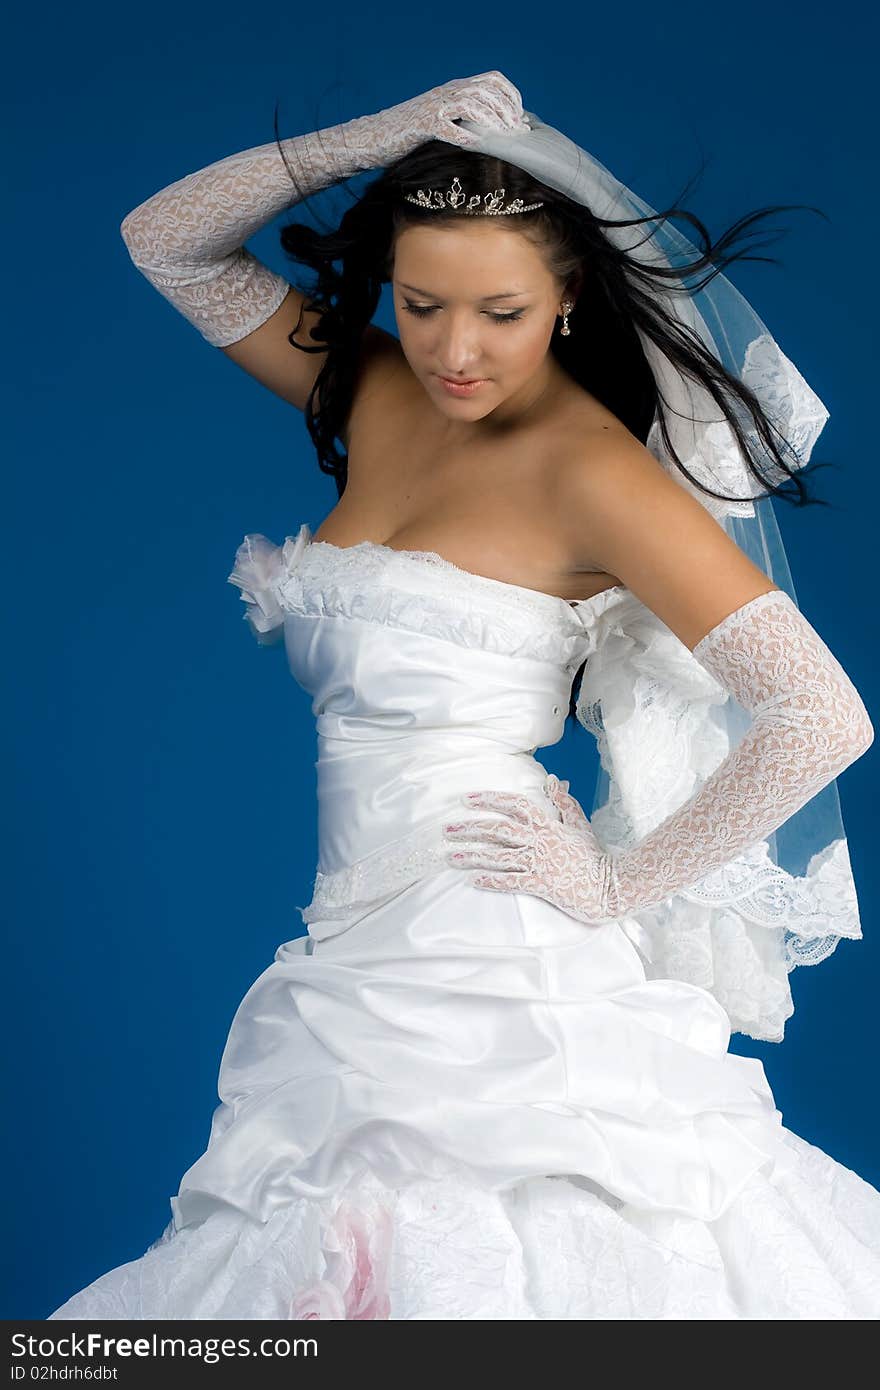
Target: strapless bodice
x,y
426,681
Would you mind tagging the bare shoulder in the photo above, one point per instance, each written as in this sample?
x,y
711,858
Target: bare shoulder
x,y
620,508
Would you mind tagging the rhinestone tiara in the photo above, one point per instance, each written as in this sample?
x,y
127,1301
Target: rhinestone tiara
x,y
490,205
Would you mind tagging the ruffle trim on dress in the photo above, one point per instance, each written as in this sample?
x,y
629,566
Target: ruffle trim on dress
x,y
410,589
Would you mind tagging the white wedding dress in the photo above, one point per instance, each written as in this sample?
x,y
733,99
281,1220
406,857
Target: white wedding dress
x,y
457,1103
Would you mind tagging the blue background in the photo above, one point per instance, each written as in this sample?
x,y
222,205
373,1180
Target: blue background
x,y
161,817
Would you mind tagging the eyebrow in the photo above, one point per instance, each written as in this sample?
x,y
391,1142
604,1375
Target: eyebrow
x,y
507,294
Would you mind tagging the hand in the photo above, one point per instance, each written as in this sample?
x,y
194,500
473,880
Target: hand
x,y
552,854
488,99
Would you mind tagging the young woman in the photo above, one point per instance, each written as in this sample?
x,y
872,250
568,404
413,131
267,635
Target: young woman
x,y
459,1094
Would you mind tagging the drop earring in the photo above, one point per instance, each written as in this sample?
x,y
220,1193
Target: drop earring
x,y
567,306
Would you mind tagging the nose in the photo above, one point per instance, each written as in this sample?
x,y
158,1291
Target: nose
x,y
458,348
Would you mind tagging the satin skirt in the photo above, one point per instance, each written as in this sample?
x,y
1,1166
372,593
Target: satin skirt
x,y
466,1104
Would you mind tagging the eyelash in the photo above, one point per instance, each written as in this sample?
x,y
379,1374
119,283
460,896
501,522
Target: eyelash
x,y
422,310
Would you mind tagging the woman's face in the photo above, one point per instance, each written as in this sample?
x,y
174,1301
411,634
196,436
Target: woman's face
x,y
474,300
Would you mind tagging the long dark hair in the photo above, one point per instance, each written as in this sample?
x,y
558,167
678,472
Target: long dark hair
x,y
353,260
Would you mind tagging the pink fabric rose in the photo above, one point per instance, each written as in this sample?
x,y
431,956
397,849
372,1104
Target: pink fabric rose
x,y
357,1251
321,1301
365,1254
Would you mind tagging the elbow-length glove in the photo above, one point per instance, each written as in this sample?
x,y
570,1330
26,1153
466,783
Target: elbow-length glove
x,y
188,238
808,724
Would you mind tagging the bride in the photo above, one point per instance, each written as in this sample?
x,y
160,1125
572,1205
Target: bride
x,y
490,1081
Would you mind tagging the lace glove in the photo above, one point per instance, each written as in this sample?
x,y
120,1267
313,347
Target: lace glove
x,y
808,724
188,238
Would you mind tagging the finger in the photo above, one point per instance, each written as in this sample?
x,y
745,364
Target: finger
x,y
511,803
505,837
456,136
572,811
491,857
502,883
498,832
510,93
495,94
488,114
494,107
557,789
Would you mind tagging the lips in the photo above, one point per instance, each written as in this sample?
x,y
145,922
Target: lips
x,y
462,389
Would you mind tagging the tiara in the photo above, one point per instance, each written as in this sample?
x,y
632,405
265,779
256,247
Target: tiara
x,y
490,205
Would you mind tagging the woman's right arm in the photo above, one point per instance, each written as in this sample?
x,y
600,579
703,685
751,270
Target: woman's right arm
x,y
188,239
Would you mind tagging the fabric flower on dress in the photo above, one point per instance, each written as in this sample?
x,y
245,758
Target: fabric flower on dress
x,y
365,1255
320,1302
357,1251
261,567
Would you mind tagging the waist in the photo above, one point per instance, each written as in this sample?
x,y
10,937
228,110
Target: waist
x,y
380,820
369,798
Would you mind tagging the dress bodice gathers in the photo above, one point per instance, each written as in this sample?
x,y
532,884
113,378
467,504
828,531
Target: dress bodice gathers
x,y
426,681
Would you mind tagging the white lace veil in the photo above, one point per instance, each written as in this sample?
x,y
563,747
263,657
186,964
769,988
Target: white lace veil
x,y
661,721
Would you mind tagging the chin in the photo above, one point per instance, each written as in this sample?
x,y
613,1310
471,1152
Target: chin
x,y
458,409
454,405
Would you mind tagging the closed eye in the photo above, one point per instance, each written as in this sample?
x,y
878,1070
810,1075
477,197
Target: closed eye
x,y
421,310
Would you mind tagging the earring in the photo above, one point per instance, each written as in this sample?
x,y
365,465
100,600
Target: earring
x,y
567,306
